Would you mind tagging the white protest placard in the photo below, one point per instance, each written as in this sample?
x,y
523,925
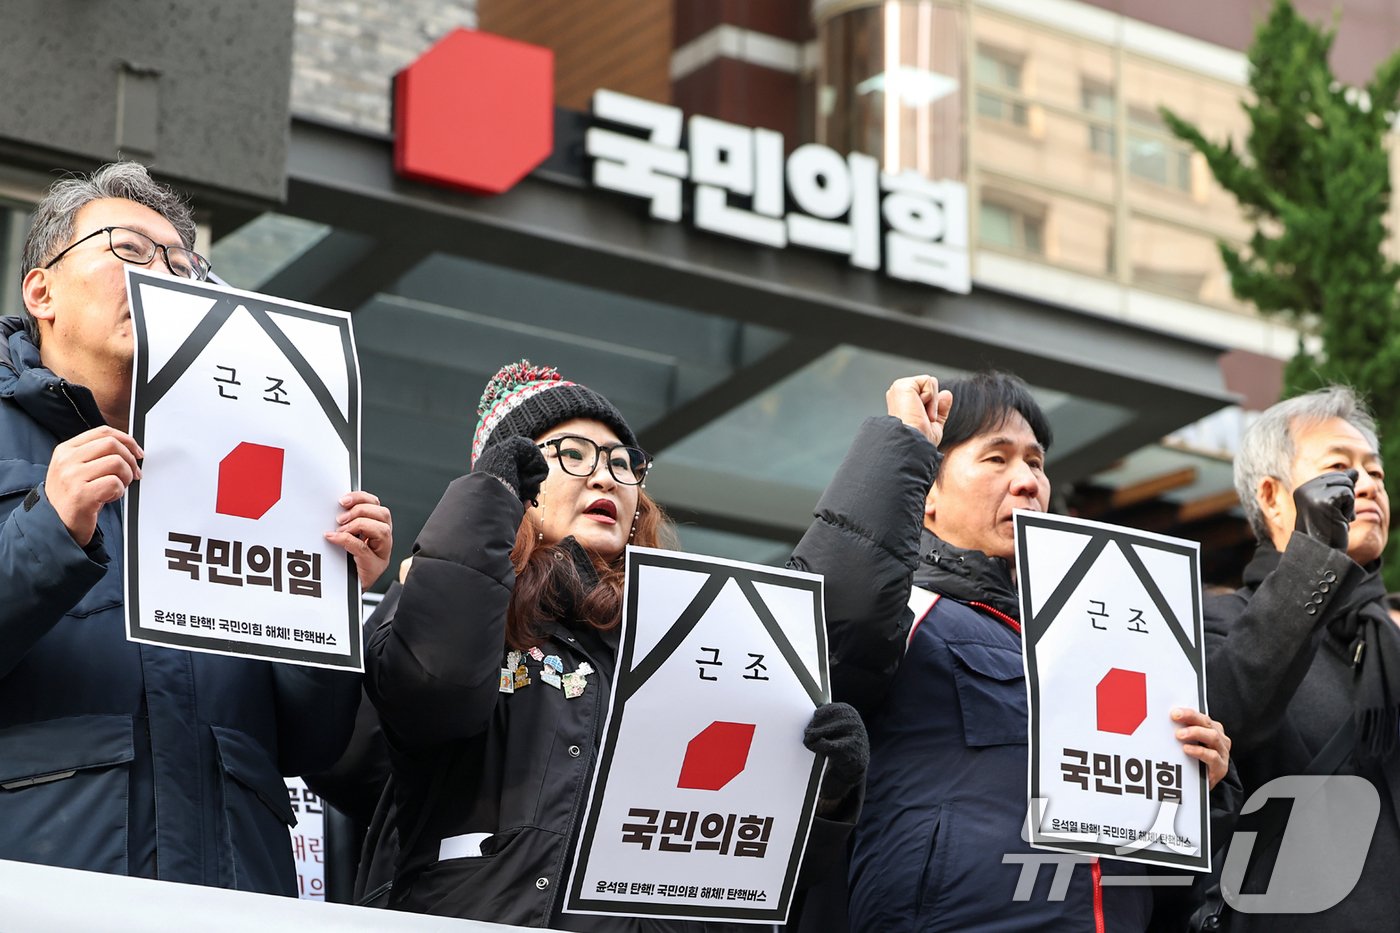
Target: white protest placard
x,y
308,840
1111,620
704,794
248,410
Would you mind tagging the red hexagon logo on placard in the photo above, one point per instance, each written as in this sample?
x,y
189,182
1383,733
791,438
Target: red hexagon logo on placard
x,y
250,480
717,755
1122,701
475,112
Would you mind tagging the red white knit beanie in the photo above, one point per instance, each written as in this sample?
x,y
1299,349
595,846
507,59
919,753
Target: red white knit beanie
x,y
526,400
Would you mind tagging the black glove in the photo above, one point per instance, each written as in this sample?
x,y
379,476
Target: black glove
x,y
1326,505
836,731
518,463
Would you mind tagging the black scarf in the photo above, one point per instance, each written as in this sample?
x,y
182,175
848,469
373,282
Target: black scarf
x,y
965,575
1359,629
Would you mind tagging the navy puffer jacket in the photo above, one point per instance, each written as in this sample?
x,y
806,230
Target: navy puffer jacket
x,y
119,757
939,844
946,791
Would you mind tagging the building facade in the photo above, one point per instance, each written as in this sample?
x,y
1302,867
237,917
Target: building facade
x,y
1090,230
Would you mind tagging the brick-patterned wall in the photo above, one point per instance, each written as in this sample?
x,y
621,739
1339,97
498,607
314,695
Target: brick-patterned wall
x,y
346,52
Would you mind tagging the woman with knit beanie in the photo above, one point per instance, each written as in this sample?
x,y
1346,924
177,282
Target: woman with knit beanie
x,y
493,675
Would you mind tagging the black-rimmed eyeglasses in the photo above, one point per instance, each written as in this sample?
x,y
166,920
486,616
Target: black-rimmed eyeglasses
x,y
578,456
135,247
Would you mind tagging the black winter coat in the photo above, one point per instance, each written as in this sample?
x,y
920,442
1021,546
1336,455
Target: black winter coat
x,y
517,767
946,793
1282,683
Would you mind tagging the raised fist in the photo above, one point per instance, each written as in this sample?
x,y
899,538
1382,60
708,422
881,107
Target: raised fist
x,y
1326,505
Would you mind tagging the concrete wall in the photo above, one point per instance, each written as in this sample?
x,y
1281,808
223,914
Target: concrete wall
x,y
198,92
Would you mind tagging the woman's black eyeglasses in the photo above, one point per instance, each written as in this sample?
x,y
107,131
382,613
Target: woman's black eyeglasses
x,y
578,456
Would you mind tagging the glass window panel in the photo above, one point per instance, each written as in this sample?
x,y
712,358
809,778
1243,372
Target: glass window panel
x,y
1020,228
1149,160
1166,176
904,103
1098,98
1154,154
998,68
1033,234
998,225
998,77
852,56
1067,231
1051,64
1066,139
1099,103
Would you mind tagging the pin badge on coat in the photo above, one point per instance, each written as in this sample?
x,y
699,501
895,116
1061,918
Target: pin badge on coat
x,y
515,674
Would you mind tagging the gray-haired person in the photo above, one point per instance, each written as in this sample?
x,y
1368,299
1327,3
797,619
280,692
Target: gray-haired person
x,y
118,757
1303,665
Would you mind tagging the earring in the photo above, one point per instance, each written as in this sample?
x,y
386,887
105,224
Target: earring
x,y
539,536
633,533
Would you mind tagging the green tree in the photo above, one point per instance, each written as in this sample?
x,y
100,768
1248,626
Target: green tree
x,y
1314,179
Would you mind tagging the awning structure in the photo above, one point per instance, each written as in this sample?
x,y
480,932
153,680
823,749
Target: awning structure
x,y
745,370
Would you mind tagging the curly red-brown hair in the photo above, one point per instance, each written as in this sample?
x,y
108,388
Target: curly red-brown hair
x,y
546,588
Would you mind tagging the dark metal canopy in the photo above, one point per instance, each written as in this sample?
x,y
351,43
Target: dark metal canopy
x,y
746,369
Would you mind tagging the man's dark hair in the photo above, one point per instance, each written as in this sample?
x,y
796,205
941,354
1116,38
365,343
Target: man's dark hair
x,y
984,402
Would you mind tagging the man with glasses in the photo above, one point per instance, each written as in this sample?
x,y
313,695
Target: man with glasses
x,y
1303,662
118,757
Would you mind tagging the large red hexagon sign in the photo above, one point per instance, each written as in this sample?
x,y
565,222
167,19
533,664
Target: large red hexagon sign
x,y
1122,701
475,112
717,755
250,480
